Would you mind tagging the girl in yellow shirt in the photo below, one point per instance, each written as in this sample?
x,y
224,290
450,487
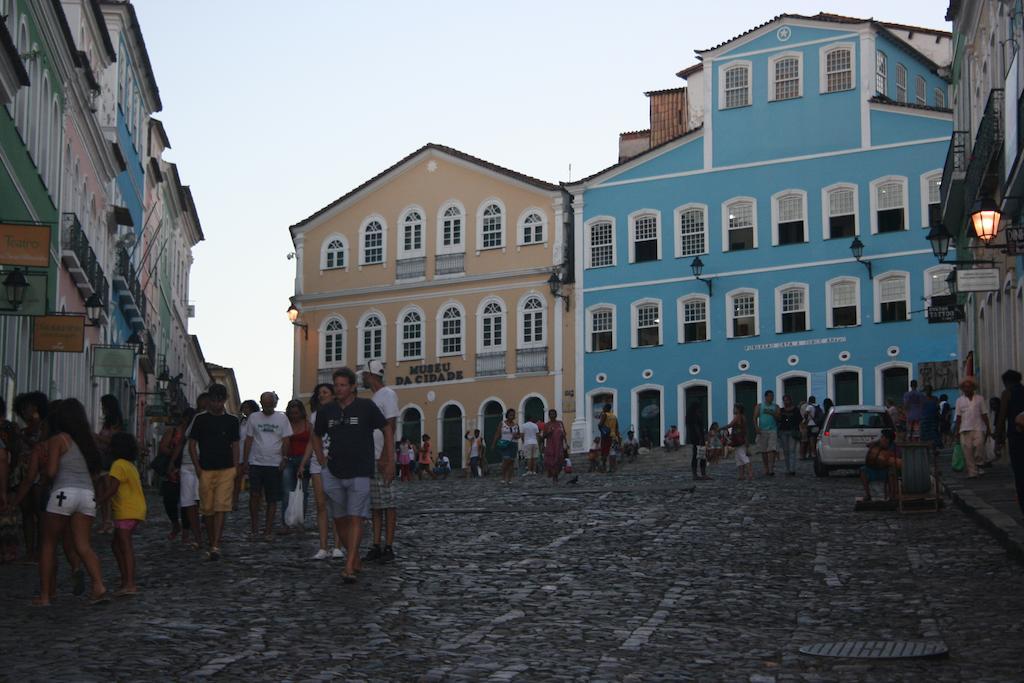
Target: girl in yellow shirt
x,y
125,487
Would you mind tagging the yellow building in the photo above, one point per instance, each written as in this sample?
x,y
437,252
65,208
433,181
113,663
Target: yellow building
x,y
450,269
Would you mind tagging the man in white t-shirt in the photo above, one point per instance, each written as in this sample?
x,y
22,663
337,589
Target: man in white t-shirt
x,y
972,426
267,434
530,430
383,498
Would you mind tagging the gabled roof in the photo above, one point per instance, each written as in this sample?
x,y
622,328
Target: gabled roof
x,y
450,151
690,70
632,160
883,27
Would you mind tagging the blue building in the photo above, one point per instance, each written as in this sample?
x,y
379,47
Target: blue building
x,y
716,260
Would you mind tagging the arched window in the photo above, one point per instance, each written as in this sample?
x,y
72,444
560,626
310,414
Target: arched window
x,y
785,75
531,227
843,307
411,338
600,243
372,243
889,196
693,319
740,222
333,336
791,308
646,323
333,253
450,330
741,309
790,217
940,98
645,236
920,91
451,232
531,322
691,230
838,69
881,73
492,226
412,233
371,338
931,210
892,297
901,83
601,321
840,204
736,81
492,327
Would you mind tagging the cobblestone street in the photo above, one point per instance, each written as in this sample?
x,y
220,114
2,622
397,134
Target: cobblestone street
x,y
642,575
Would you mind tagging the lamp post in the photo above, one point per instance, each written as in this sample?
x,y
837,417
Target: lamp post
x,y
697,268
135,343
94,309
555,285
15,285
857,249
985,218
293,317
939,238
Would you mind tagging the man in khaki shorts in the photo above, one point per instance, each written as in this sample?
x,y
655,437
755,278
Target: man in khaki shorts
x,y
213,448
766,427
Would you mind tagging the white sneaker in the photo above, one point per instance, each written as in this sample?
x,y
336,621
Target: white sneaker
x,y
336,553
320,554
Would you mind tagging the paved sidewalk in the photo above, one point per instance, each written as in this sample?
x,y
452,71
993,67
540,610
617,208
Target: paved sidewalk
x,y
991,499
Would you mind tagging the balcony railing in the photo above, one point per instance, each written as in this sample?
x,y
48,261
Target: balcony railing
x,y
447,264
987,147
132,300
532,360
490,364
956,164
409,268
80,260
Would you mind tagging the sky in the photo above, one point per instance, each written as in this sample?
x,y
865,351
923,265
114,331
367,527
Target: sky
x,y
276,109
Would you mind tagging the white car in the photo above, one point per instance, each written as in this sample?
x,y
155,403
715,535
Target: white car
x,y
843,441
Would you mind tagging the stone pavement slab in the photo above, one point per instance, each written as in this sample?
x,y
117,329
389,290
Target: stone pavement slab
x,y
638,576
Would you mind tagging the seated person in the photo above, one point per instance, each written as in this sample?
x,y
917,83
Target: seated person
x,y
881,464
672,439
444,467
630,445
645,439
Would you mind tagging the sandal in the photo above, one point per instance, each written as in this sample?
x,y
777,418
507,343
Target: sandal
x,y
101,599
348,578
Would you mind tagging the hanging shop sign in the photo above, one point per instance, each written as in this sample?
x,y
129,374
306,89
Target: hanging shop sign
x,y
58,333
27,246
977,280
945,309
1015,240
113,361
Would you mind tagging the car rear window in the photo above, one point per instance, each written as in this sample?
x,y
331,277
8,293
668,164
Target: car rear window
x,y
855,419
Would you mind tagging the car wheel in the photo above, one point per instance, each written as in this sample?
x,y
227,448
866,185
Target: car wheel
x,y
820,470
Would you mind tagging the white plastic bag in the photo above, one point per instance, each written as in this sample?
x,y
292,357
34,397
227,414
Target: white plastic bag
x,y
293,513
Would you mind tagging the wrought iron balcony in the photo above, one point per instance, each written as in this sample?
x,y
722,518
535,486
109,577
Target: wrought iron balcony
x,y
987,148
409,268
490,363
448,264
532,360
953,173
131,298
80,260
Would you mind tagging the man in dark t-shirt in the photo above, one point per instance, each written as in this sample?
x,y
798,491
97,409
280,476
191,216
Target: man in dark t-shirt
x,y
213,448
344,432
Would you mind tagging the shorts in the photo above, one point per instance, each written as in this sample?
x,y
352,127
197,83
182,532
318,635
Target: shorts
x,y
530,450
128,524
509,452
383,496
314,465
216,491
189,488
265,478
346,497
767,441
741,455
69,500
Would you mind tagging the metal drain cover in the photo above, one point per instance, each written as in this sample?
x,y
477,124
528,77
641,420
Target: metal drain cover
x,y
878,649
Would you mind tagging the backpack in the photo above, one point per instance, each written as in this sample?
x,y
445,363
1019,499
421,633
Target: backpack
x,y
819,415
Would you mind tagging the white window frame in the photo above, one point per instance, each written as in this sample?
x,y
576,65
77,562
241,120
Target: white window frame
x,y
728,311
847,368
826,207
920,91
440,336
776,214
633,217
494,348
361,357
383,240
799,57
750,82
634,311
677,216
521,227
942,270
882,73
830,304
441,247
823,67
322,334
400,334
901,70
681,318
521,342
404,253
591,310
807,306
940,98
890,365
725,219
588,229
780,382
926,180
480,224
344,250
873,200
877,286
